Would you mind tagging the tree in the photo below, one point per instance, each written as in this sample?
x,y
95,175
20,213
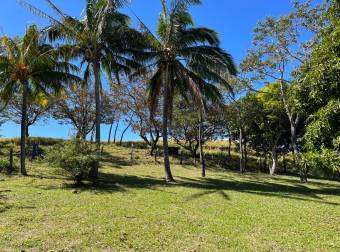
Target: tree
x,y
76,106
268,129
318,95
30,68
188,61
102,41
133,100
189,131
264,124
37,110
279,47
111,111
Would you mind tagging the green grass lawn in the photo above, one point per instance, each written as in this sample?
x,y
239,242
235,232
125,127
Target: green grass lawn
x,y
131,209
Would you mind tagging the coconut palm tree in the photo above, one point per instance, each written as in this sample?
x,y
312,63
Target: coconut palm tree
x,y
29,67
101,40
188,61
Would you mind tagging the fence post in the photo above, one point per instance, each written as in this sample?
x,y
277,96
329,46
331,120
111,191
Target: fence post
x,y
10,169
132,149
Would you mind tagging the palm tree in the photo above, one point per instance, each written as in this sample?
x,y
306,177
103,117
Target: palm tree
x,y
188,61
102,40
29,67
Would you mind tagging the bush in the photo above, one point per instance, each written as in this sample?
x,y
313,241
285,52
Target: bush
x,y
325,162
5,165
76,157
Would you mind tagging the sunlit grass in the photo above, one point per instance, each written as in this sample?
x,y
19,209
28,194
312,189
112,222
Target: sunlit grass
x,y
131,209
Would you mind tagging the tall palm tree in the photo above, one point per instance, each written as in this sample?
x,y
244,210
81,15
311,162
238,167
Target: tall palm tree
x,y
29,67
102,40
188,61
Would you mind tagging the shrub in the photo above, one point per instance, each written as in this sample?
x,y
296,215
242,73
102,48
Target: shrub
x,y
324,162
76,157
5,165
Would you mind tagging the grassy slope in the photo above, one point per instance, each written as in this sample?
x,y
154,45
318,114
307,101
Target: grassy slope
x,y
133,210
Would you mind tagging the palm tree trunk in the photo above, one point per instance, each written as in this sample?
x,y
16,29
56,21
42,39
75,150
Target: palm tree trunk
x,y
23,130
201,145
97,85
168,175
27,130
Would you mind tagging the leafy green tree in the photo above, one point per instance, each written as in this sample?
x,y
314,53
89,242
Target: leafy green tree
x,y
270,129
318,95
188,61
30,68
102,41
279,47
261,123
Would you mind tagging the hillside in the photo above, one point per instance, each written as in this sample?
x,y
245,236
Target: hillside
x,y
131,209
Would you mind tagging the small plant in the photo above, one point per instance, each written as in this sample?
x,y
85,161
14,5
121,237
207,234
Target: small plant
x,y
76,157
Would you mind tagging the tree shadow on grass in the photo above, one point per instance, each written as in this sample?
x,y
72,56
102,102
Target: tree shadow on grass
x,y
311,181
208,192
115,161
264,188
110,183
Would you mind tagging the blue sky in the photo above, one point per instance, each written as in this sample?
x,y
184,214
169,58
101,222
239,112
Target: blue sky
x,y
233,20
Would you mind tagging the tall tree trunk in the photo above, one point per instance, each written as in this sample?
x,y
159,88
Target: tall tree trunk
x,y
293,121
202,159
274,156
293,138
229,148
274,161
115,135
97,86
82,134
168,174
27,131
245,152
83,106
194,157
121,137
242,161
23,129
110,131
